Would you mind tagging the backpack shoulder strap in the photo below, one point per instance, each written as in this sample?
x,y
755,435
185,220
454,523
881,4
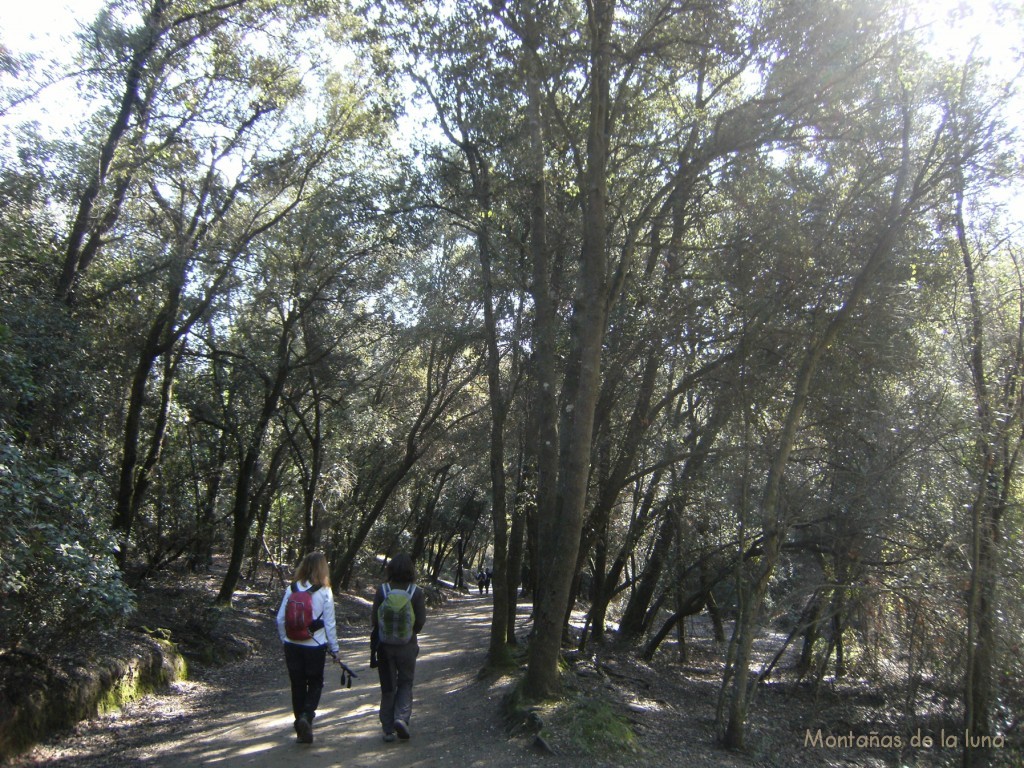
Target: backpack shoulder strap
x,y
411,590
386,589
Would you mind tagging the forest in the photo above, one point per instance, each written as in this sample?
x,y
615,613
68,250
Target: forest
x,y
655,307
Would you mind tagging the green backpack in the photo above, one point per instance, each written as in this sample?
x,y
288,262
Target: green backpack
x,y
395,617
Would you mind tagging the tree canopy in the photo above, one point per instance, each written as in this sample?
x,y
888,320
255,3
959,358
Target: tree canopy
x,y
649,307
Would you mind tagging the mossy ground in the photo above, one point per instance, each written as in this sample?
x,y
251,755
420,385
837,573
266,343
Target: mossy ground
x,y
579,722
588,725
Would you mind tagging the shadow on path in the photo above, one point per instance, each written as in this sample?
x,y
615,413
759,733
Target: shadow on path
x,y
455,716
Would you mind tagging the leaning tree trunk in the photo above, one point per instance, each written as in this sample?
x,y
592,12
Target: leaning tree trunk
x,y
773,522
998,455
242,512
90,224
633,621
440,393
342,570
637,527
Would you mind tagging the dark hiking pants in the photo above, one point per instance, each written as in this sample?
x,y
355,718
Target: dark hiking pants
x,y
306,671
396,667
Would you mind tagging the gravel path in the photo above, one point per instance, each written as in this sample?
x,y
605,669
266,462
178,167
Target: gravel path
x,y
240,715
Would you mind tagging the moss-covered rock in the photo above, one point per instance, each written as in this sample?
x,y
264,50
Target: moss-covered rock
x,y
39,695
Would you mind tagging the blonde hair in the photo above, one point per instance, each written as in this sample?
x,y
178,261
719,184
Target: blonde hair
x,y
314,569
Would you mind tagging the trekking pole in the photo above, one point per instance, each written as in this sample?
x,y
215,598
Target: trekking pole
x,y
346,673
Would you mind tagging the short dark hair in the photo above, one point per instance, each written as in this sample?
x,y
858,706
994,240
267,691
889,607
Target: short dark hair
x,y
401,568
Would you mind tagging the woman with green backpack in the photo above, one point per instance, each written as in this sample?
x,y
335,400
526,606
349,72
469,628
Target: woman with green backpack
x,y
399,613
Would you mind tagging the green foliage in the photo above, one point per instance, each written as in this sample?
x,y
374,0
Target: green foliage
x,y
289,281
57,571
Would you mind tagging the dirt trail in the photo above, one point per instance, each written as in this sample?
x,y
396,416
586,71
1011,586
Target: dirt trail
x,y
240,715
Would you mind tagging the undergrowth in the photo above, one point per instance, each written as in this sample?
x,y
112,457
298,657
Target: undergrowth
x,y
588,725
578,723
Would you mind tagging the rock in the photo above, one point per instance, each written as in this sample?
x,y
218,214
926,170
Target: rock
x,y
41,695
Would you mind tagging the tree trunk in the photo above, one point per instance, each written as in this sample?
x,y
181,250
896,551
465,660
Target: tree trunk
x,y
264,502
978,688
811,620
716,618
128,491
632,624
687,606
773,522
997,457
515,562
159,340
242,510
497,654
341,572
311,487
88,227
201,556
440,392
637,527
242,517
610,487
583,379
165,330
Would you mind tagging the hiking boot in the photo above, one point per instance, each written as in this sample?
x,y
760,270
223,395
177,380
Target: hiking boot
x,y
305,730
402,728
389,737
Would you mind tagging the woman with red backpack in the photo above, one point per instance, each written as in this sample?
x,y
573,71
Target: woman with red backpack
x,y
306,626
399,613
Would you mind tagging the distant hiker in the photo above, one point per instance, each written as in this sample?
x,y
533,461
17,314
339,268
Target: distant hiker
x,y
399,612
481,579
488,575
305,624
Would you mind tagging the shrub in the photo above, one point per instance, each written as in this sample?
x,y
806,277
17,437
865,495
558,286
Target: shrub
x,y
57,570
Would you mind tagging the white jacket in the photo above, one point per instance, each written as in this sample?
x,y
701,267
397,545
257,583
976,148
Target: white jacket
x,y
323,607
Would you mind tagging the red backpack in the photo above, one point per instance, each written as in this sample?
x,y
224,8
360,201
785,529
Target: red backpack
x,y
298,613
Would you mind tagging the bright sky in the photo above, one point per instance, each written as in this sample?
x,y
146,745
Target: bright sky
x,y
39,25
959,27
46,27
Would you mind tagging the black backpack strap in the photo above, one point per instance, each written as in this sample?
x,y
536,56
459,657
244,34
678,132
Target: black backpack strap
x,y
316,588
